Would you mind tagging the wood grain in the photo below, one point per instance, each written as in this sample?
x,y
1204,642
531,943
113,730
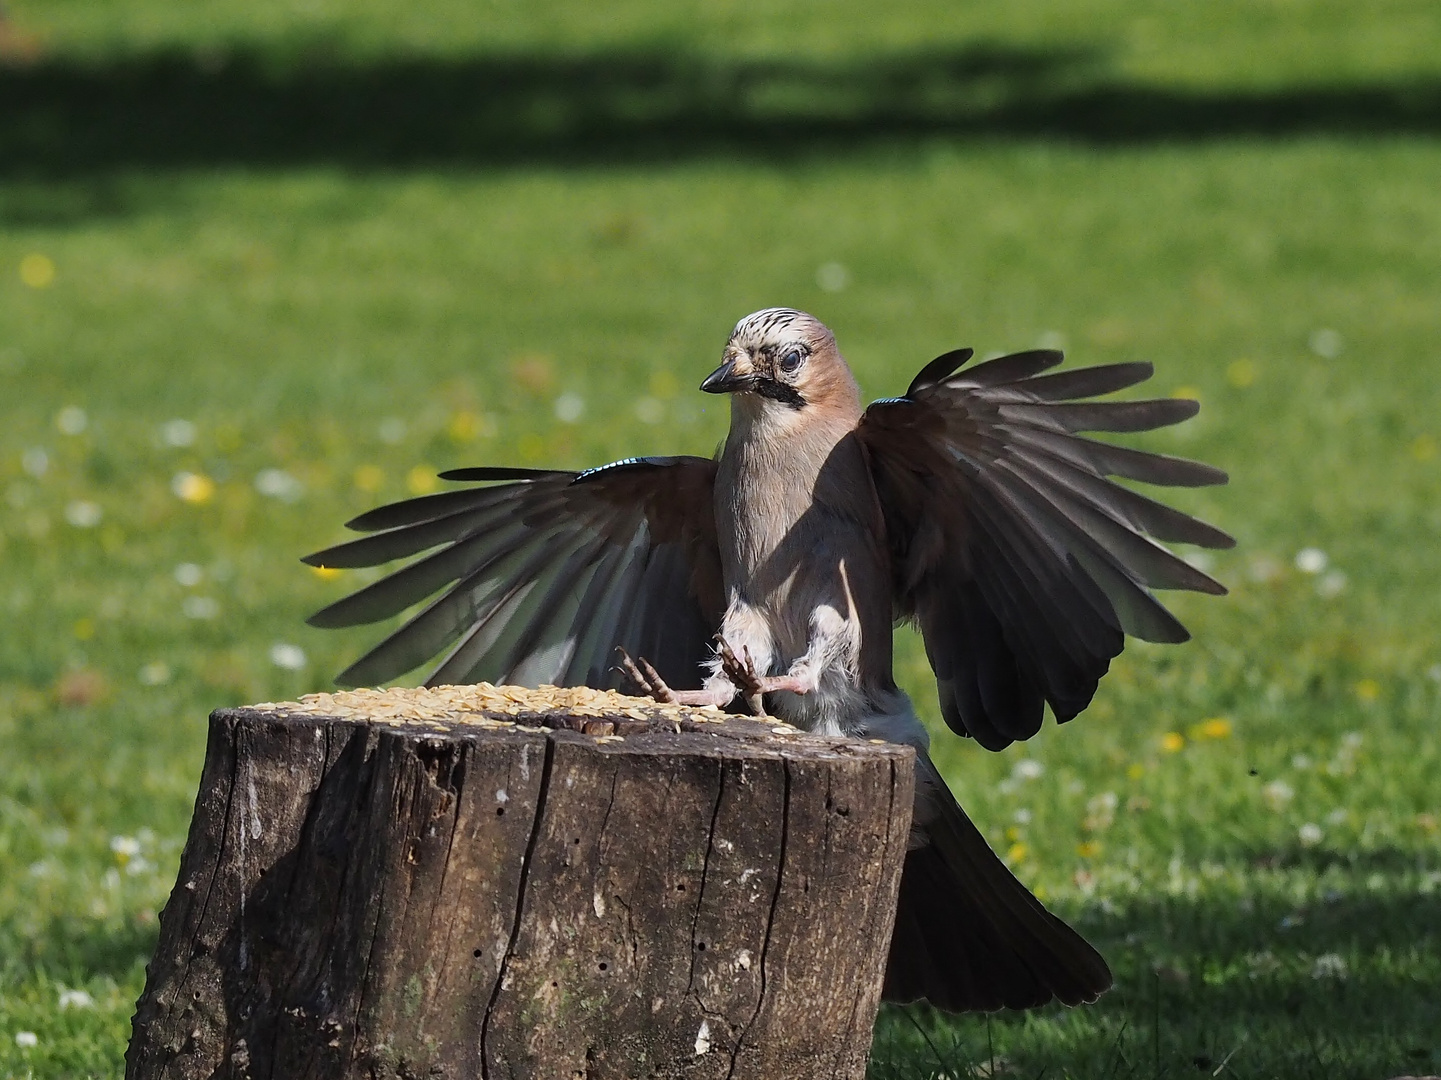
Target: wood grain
x,y
507,896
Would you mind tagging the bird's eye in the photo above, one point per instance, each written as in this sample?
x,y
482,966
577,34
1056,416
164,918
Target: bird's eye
x,y
791,361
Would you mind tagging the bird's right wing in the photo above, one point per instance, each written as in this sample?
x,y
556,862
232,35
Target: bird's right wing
x,y
544,574
1022,562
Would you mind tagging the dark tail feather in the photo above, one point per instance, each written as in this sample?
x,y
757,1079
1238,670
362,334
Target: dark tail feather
x,y
968,935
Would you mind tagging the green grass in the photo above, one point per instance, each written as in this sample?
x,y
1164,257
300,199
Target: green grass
x,y
345,314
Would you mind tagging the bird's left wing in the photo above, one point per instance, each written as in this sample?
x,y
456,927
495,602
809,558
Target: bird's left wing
x,y
544,574
1022,562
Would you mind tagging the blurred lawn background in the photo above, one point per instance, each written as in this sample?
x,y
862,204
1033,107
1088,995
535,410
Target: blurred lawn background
x,y
265,265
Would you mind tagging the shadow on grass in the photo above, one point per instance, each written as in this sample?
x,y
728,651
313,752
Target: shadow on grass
x,y
1347,986
173,109
77,949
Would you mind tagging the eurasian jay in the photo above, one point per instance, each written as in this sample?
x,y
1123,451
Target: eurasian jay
x,y
773,575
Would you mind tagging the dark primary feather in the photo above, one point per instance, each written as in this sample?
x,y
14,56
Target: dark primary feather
x,y
1022,561
938,369
1087,382
541,575
1012,368
478,473
1108,459
1114,416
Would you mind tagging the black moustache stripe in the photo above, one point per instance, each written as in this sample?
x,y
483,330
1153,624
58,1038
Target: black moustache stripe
x,y
779,391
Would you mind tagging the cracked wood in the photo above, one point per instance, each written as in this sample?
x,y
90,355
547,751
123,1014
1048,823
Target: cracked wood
x,y
699,898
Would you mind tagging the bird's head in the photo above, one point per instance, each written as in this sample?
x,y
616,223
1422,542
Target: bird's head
x,y
783,361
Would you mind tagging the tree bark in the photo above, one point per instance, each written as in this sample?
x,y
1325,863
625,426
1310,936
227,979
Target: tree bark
x,y
678,895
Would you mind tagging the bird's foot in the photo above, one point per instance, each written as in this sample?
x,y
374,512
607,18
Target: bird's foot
x,y
640,672
643,675
741,670
752,685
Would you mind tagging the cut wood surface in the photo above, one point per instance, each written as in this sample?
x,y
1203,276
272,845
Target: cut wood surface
x,y
495,882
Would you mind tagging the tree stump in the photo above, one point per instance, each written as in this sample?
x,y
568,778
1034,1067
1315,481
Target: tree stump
x,y
500,883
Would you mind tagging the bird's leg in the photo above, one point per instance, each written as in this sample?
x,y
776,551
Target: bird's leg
x,y
796,684
741,670
640,672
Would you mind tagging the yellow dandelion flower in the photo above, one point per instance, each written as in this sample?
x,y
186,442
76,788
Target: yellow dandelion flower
x,y
1172,741
421,480
37,271
84,629
1017,853
1218,727
1136,771
1368,690
1013,833
1241,373
369,478
1088,850
464,427
1423,448
193,487
325,573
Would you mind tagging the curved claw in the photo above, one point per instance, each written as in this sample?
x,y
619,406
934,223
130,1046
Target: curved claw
x,y
743,674
645,677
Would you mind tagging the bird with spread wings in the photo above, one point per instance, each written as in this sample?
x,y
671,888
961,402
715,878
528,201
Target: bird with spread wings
x,y
772,576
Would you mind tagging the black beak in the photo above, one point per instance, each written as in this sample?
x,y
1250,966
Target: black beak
x,y
724,380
